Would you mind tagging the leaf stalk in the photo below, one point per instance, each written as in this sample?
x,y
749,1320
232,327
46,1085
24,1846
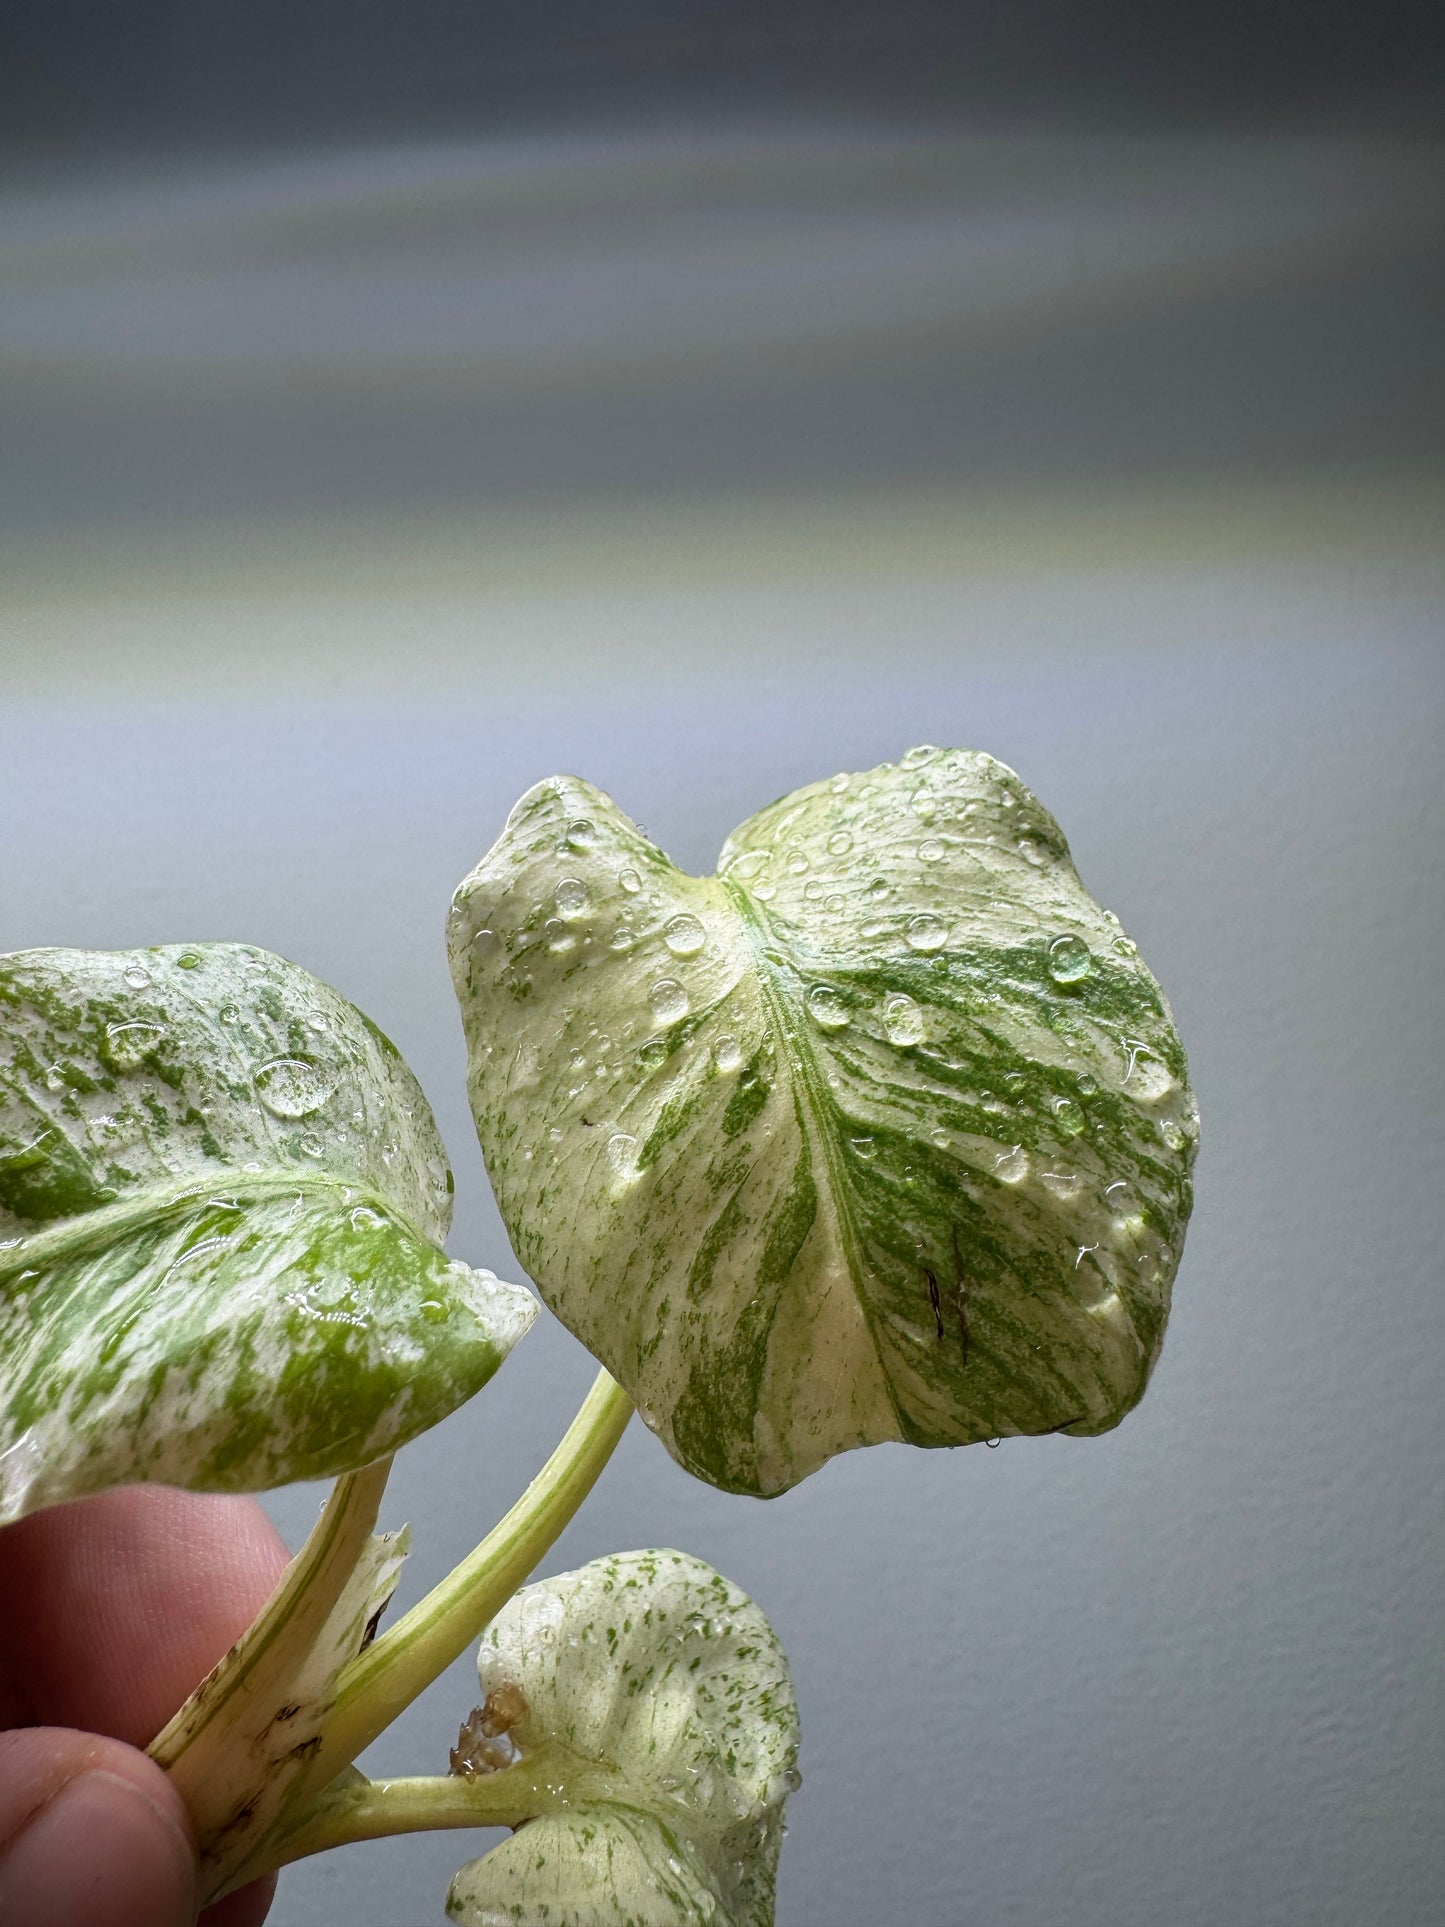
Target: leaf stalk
x,y
383,1681
372,1809
219,1748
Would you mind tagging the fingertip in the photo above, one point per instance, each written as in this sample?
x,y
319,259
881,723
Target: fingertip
x,y
91,1832
248,1908
118,1605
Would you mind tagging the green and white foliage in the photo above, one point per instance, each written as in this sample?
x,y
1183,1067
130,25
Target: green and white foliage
x,y
652,1702
222,1202
883,1132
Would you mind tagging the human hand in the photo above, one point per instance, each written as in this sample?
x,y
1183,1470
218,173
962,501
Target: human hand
x,y
111,1610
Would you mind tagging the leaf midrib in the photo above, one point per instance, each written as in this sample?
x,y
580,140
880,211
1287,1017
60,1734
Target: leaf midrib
x,y
810,1104
76,1237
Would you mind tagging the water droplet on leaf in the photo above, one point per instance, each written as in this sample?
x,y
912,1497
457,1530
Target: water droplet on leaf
x,y
826,1008
902,1020
839,843
127,1046
1013,1166
571,897
925,932
931,851
581,835
1069,959
668,1000
684,935
727,1053
1147,1078
1123,1201
1068,1116
1063,1184
291,1087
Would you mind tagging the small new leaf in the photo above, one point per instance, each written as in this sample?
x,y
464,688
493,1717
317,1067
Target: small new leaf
x,y
650,1702
222,1201
883,1132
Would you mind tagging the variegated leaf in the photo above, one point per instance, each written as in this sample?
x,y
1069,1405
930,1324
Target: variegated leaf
x,y
602,1867
652,1701
883,1132
222,1199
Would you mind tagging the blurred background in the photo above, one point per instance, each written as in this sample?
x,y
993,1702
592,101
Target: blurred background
x,y
398,405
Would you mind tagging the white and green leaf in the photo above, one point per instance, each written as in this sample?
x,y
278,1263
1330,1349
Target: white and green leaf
x,y
649,1702
883,1132
602,1867
222,1202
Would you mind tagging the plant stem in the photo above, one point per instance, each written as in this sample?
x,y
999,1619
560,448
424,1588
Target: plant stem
x,y
225,1752
373,1809
389,1675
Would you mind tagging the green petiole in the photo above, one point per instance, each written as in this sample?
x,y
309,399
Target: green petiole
x,y
550,1779
232,1762
383,1681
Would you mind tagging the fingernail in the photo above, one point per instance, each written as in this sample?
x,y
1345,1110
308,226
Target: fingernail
x,y
100,1854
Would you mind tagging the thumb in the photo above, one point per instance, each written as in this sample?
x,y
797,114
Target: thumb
x,y
92,1834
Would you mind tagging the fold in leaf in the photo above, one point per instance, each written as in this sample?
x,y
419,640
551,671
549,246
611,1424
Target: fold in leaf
x,y
884,1132
222,1196
651,1703
603,1868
